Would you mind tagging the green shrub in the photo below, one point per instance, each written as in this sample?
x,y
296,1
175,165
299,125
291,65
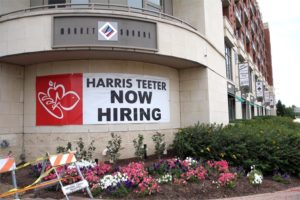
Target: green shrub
x,y
81,152
138,144
267,142
114,147
281,179
160,144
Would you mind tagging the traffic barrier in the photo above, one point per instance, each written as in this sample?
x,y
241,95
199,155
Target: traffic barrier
x,y
9,165
65,159
62,159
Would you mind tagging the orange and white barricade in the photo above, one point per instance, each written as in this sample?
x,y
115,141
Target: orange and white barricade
x,y
9,165
65,159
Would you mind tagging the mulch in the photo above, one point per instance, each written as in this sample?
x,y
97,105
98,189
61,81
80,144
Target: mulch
x,y
203,190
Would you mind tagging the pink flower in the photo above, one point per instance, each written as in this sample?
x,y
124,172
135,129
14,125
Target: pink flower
x,y
226,178
222,165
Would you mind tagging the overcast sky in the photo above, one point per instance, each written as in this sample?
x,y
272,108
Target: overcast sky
x,y
284,23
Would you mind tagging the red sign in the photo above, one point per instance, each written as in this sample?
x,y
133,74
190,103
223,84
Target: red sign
x,y
59,100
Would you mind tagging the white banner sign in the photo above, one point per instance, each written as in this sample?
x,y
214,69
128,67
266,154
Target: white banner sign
x,y
267,96
244,74
271,100
259,89
125,98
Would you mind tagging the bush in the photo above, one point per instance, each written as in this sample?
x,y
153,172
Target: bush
x,y
160,144
138,144
267,142
114,147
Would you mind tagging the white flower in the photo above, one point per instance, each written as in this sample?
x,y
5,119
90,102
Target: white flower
x,y
82,164
112,181
191,161
165,179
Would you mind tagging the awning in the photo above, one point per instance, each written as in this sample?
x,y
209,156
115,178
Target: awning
x,y
240,99
250,103
258,105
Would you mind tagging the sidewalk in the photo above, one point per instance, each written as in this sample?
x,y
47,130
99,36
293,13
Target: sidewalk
x,y
290,194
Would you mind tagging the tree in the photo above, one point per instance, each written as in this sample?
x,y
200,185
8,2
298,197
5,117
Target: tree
x,y
282,110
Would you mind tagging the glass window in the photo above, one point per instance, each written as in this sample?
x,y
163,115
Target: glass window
x,y
231,108
79,1
135,3
252,112
228,61
244,110
56,1
156,2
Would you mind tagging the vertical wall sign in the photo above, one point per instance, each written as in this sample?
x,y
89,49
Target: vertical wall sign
x,y
259,89
271,100
101,98
267,96
244,75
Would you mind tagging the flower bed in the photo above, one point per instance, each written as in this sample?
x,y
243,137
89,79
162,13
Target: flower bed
x,y
144,181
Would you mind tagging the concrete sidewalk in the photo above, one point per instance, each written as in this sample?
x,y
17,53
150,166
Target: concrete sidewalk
x,y
290,194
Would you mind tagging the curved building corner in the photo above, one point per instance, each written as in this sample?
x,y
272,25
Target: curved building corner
x,y
75,69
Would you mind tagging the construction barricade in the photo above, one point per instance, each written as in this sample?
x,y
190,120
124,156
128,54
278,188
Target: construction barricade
x,y
55,161
9,165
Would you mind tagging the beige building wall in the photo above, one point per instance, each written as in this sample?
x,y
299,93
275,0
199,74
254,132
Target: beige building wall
x,y
13,5
11,108
40,139
194,96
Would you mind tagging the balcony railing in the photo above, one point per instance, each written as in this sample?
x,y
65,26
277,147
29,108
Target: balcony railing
x,y
238,15
247,35
251,8
253,27
247,17
254,46
95,7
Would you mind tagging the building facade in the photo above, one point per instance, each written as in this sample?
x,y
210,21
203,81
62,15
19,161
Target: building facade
x,y
248,60
73,69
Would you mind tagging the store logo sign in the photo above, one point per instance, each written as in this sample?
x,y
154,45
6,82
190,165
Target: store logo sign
x,y
108,31
101,98
59,99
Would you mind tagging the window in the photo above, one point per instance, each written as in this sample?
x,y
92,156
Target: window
x,y
155,5
228,61
135,3
231,108
244,110
79,1
56,1
156,2
252,112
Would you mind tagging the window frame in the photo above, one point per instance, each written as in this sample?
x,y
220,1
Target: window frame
x,y
228,62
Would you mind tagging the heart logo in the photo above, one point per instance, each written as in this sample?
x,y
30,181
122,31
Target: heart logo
x,y
57,100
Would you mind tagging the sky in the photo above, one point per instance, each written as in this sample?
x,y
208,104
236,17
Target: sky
x,y
284,23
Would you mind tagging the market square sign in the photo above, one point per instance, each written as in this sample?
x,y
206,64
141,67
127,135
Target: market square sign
x,y
101,98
